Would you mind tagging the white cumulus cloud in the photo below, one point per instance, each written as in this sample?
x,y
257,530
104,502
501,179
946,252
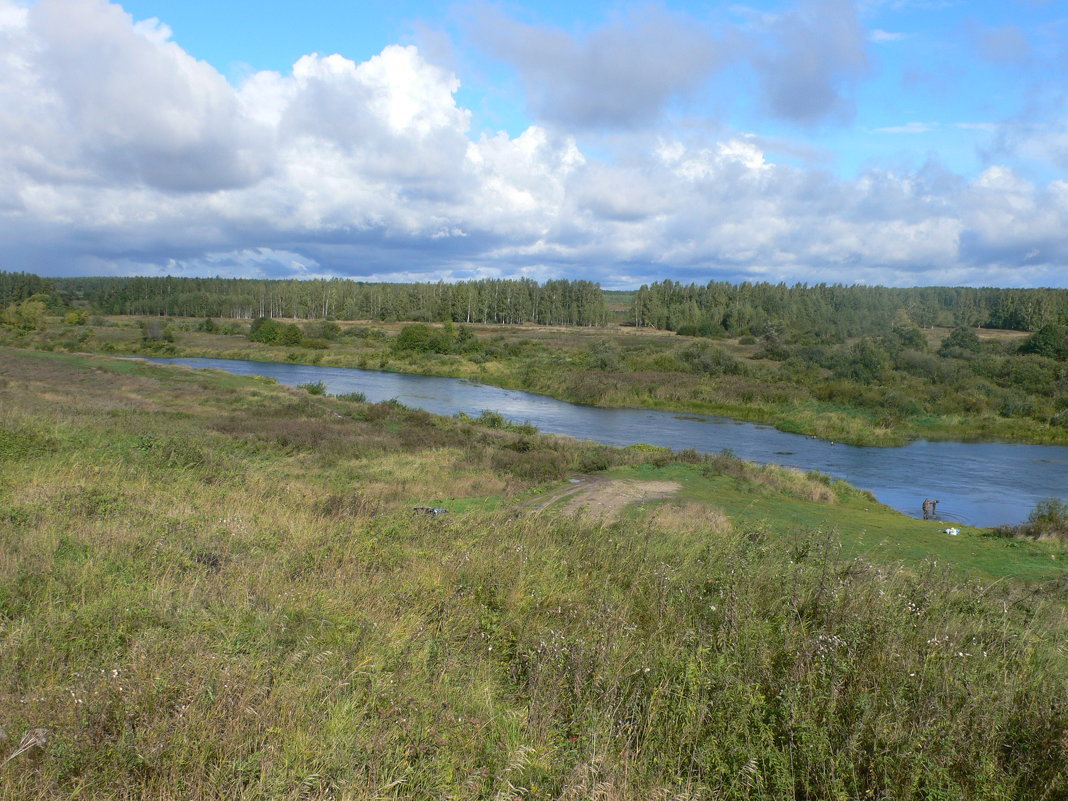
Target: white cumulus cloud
x,y
121,153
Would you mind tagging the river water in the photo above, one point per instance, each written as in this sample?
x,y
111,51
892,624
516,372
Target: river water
x,y
981,484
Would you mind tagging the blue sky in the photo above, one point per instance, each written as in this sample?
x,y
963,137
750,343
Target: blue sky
x,y
880,141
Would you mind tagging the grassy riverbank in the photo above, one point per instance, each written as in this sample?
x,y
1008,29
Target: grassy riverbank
x,y
213,587
930,397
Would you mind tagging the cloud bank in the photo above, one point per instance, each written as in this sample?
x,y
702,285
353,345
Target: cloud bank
x,y
120,153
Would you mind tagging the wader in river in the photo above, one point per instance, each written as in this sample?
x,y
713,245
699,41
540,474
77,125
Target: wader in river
x,y
929,508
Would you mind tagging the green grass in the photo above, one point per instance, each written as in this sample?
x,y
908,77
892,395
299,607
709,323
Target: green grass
x,y
862,526
213,587
649,369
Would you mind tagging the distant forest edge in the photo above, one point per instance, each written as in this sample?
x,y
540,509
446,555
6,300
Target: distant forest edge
x,y
713,309
562,302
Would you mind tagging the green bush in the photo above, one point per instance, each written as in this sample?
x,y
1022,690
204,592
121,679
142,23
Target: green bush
x,y
709,359
412,338
961,343
313,388
1049,518
322,329
1050,341
273,332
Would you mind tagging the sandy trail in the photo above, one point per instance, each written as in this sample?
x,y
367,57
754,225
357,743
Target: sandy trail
x,y
603,498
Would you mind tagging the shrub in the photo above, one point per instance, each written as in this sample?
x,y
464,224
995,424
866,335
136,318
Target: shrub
x,y
961,342
1049,518
314,388
709,359
272,332
323,329
491,419
605,356
157,336
25,316
865,362
412,339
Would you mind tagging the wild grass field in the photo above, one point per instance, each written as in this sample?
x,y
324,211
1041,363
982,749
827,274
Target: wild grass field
x,y
214,587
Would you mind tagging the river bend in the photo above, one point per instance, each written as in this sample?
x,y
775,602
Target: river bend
x,y
979,483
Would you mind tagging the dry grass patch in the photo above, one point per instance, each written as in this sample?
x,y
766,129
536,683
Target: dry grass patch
x,y
807,486
689,518
797,483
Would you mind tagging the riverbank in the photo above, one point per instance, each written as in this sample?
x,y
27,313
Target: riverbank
x,y
980,483
826,421
623,368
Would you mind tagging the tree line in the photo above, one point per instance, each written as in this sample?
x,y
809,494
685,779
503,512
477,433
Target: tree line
x,y
774,311
838,311
16,287
558,302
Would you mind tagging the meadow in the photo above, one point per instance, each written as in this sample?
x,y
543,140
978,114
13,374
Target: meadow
x,y
215,587
853,392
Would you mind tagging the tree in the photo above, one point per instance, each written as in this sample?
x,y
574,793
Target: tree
x,y
905,335
961,341
865,362
25,316
1050,340
412,339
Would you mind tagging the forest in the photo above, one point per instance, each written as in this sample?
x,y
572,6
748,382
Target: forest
x,y
836,312
820,312
560,302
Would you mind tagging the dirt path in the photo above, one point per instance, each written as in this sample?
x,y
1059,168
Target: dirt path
x,y
602,498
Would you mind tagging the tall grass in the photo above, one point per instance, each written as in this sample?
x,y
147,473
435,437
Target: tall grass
x,y
214,588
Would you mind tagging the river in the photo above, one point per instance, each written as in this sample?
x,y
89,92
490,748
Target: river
x,y
978,483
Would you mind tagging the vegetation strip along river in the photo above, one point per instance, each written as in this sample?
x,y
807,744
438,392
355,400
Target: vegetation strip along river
x,y
979,484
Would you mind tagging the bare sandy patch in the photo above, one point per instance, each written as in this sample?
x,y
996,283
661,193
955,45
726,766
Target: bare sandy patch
x,y
605,499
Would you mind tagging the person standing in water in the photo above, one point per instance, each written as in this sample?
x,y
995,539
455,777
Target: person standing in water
x,y
929,508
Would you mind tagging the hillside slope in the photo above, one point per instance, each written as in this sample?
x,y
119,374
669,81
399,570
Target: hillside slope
x,y
214,587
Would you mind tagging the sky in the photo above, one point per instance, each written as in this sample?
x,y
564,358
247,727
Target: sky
x,y
894,142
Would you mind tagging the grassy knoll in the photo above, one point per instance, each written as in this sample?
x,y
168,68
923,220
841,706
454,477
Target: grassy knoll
x,y
991,394
213,587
